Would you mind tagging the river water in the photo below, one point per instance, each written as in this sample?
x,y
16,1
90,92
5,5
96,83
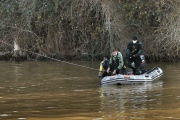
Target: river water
x,y
51,90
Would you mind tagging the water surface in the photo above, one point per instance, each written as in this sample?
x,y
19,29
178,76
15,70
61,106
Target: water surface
x,y
57,91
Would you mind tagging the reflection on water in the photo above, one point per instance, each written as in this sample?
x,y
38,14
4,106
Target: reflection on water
x,y
126,101
57,91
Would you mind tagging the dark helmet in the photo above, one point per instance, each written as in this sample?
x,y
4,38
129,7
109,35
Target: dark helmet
x,y
134,37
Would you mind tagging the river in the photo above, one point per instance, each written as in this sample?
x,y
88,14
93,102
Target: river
x,y
50,90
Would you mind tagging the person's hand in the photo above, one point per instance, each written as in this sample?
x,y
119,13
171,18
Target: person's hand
x,y
114,72
130,56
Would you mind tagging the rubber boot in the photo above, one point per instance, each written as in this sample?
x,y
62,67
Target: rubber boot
x,y
138,71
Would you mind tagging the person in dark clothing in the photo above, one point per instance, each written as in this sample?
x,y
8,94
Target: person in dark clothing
x,y
103,68
134,50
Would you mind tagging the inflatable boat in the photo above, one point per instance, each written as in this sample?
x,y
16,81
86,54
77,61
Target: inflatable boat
x,y
119,79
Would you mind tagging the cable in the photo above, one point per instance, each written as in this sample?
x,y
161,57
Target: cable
x,y
51,57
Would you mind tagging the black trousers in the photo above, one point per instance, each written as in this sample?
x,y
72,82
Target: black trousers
x,y
137,62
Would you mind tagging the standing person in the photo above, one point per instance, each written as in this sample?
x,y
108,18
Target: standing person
x,y
116,63
134,50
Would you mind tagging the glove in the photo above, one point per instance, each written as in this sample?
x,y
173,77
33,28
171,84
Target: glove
x,y
131,56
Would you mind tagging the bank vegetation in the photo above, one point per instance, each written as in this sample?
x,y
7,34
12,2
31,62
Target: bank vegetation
x,y
88,29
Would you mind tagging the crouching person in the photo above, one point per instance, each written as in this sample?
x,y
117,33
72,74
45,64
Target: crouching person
x,y
116,63
114,66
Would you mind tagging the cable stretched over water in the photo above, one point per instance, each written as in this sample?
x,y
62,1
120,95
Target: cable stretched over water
x,y
50,57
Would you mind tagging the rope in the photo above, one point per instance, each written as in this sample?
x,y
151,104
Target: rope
x,y
51,57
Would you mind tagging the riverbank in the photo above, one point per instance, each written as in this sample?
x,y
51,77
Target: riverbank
x,y
30,56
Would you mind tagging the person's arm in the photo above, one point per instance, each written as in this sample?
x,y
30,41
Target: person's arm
x,y
109,64
108,69
128,48
140,49
121,62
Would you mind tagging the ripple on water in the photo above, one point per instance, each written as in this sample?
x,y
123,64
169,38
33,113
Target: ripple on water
x,y
50,107
98,119
21,118
4,115
78,90
22,87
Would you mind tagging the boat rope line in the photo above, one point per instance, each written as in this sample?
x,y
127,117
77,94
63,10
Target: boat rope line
x,y
50,57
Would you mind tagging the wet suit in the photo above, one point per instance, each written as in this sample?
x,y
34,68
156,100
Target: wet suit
x,y
134,51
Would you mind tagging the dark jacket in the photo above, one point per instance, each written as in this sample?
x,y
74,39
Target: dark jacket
x,y
135,49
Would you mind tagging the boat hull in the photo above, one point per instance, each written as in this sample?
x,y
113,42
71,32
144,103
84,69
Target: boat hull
x,y
119,79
